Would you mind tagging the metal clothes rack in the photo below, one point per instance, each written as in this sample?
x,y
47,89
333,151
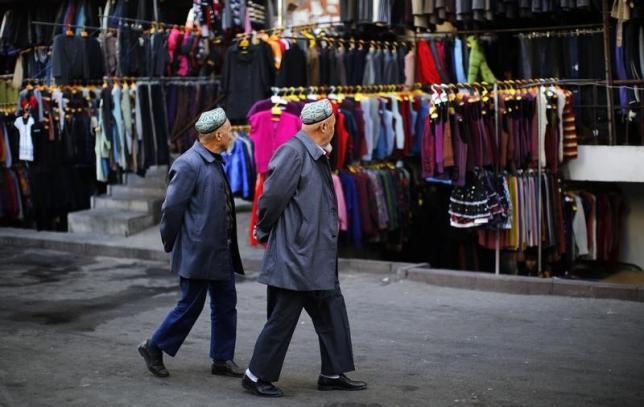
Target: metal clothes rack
x,y
419,32
82,27
541,83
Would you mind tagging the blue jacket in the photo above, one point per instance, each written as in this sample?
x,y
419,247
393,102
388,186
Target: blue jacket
x,y
193,218
236,169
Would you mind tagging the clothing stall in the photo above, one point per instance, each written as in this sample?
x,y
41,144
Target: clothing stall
x,y
440,127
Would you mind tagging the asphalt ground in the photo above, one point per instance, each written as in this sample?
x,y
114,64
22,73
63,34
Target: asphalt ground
x,y
70,326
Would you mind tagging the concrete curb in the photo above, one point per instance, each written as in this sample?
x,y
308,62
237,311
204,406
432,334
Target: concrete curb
x,y
414,272
71,245
523,285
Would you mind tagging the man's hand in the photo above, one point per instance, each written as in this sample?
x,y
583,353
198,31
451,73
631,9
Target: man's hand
x,y
255,232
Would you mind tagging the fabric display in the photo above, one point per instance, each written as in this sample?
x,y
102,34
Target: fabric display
x,y
459,134
339,66
15,195
109,128
240,166
459,12
8,93
248,74
593,224
185,100
76,58
451,60
522,231
483,201
562,55
373,205
628,57
132,129
382,12
47,165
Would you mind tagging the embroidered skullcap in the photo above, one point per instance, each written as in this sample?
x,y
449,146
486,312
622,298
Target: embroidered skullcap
x,y
210,121
316,112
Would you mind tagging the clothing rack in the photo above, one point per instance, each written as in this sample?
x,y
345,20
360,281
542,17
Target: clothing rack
x,y
132,20
545,34
240,127
495,87
69,26
419,33
293,28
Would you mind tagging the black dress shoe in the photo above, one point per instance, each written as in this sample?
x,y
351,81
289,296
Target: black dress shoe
x,y
341,383
227,368
261,388
153,359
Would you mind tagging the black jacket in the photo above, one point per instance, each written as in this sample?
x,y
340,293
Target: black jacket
x,y
248,77
293,68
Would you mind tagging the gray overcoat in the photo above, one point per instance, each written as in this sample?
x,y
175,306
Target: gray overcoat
x,y
193,218
298,214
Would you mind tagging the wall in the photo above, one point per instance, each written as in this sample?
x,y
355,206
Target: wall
x,y
633,226
608,164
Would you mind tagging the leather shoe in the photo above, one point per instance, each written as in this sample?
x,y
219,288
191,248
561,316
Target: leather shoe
x,y
153,357
227,368
261,388
341,383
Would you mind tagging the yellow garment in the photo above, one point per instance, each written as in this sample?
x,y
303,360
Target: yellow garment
x,y
513,240
274,42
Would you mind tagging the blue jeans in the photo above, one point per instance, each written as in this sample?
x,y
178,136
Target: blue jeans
x,y
223,314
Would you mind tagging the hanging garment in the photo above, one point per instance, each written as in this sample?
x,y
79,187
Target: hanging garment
x,y
246,79
478,63
26,143
427,71
268,135
410,69
293,68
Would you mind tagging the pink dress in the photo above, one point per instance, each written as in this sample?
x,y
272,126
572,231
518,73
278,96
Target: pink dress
x,y
268,135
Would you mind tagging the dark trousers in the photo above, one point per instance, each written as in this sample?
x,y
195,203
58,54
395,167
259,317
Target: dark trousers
x,y
223,314
329,314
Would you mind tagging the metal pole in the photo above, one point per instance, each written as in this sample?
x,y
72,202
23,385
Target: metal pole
x,y
156,10
609,72
539,203
280,13
497,249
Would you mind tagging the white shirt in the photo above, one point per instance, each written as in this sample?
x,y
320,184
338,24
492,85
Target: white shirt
x,y
26,143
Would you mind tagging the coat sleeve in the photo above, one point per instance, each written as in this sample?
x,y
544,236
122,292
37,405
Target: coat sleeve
x,y
279,188
182,184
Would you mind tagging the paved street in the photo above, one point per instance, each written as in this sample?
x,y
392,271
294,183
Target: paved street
x,y
70,325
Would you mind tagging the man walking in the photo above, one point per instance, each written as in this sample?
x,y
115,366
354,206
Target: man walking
x,y
298,216
198,226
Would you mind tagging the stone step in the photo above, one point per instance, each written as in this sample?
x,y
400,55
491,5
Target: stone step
x,y
110,221
157,170
133,180
127,202
135,192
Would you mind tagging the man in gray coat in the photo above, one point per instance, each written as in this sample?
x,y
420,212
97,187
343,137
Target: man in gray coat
x,y
298,215
198,226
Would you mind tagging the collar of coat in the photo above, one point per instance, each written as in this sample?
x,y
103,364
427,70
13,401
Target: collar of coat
x,y
313,149
205,154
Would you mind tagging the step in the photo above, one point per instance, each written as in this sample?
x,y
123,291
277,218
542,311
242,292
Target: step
x,y
133,180
128,202
109,221
139,192
157,171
